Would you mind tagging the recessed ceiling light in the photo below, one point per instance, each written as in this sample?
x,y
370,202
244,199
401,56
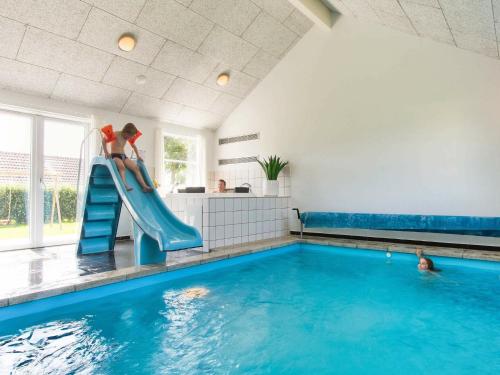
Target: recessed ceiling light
x,y
126,42
223,79
140,79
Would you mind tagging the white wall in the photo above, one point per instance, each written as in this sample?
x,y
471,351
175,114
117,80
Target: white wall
x,y
377,121
101,117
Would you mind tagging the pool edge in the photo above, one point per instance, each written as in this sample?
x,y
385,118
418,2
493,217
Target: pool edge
x,y
111,277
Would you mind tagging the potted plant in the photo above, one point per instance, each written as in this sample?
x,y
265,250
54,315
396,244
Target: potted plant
x,y
272,168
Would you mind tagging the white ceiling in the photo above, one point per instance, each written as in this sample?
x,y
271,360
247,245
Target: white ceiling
x,y
469,24
67,50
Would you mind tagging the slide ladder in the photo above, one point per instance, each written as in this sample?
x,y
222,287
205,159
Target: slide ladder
x,y
156,228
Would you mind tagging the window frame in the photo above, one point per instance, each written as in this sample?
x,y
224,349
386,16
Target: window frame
x,y
197,162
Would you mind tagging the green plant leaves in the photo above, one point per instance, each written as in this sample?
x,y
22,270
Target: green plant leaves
x,y
272,166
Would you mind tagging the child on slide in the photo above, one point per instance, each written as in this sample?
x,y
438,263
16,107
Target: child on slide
x,y
120,138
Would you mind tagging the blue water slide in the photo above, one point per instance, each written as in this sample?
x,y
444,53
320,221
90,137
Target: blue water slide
x,y
156,228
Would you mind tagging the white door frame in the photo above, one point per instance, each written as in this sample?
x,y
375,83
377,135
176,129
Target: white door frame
x,y
39,240
36,185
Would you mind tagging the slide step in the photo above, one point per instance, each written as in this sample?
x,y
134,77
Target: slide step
x,y
94,245
103,195
103,181
100,212
97,229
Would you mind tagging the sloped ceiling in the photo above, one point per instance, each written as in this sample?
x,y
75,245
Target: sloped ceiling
x,y
468,24
67,50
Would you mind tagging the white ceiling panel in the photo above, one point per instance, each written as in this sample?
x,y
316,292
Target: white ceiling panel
x,y
18,76
182,46
397,22
225,104
123,73
468,24
191,94
11,34
362,10
261,64
65,55
496,10
297,22
429,3
175,22
278,9
198,118
145,106
63,17
270,35
470,17
93,94
184,62
471,42
186,3
240,84
387,6
428,21
127,9
229,48
234,15
102,30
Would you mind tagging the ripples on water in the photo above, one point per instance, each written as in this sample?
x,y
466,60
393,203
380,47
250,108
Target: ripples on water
x,y
58,347
299,313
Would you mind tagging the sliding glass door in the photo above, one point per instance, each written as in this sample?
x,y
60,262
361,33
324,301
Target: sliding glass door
x,y
15,179
39,162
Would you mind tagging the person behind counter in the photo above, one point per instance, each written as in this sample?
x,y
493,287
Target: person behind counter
x,y
221,186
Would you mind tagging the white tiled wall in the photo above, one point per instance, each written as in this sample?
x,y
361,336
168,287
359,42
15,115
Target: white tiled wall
x,y
251,173
232,221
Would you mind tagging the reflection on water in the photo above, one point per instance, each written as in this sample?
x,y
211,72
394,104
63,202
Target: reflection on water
x,y
57,347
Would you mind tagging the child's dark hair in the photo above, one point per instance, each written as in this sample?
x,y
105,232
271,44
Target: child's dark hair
x,y
130,129
430,264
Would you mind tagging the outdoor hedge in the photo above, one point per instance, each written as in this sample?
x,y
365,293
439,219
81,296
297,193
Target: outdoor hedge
x,y
20,204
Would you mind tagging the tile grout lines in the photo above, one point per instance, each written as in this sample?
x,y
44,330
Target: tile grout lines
x,y
84,22
22,40
495,28
409,19
51,95
149,66
447,23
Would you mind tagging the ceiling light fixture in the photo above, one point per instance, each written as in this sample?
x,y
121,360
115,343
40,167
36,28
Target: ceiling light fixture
x,y
223,79
126,42
140,79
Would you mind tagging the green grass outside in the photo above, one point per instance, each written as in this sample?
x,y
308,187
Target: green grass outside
x,y
11,232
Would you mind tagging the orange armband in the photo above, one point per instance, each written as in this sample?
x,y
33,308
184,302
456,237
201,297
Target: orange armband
x,y
108,134
132,140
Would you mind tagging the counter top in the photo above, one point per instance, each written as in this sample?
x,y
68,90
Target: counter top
x,y
217,195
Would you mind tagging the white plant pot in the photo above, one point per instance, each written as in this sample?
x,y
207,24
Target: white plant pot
x,y
270,188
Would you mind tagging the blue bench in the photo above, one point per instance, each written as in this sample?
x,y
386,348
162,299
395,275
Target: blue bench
x,y
469,225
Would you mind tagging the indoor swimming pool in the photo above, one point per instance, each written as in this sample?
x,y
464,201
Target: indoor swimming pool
x,y
299,309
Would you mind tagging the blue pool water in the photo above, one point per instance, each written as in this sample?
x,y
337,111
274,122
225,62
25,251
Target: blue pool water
x,y
315,310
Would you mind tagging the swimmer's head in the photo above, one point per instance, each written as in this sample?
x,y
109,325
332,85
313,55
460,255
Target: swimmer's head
x,y
195,293
425,264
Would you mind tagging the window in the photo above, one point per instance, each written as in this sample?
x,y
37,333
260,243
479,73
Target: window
x,y
180,162
38,177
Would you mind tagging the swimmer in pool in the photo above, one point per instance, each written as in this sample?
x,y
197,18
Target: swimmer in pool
x,y
424,264
195,293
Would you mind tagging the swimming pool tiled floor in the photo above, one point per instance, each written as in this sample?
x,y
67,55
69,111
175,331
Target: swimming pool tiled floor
x,y
37,273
